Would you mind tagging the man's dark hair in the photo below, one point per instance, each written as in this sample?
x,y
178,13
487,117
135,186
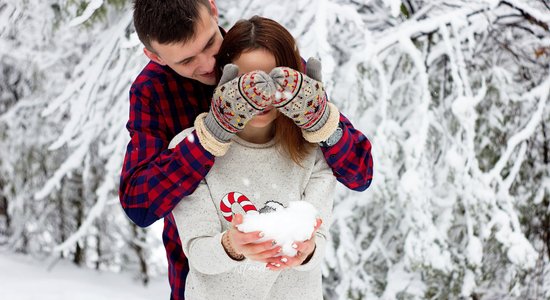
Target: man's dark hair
x,y
167,21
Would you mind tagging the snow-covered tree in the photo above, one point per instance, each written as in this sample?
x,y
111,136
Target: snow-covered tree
x,y
454,96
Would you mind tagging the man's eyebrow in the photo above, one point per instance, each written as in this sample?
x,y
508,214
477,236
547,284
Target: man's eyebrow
x,y
210,41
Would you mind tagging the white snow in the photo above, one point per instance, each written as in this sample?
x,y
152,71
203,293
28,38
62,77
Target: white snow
x,y
468,283
88,12
24,278
454,113
474,251
294,223
191,138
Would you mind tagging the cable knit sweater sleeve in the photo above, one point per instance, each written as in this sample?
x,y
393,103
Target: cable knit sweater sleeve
x,y
201,232
319,191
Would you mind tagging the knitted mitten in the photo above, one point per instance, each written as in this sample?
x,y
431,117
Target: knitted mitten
x,y
301,97
236,100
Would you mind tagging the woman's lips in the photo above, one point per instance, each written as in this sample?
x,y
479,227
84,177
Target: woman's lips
x,y
265,111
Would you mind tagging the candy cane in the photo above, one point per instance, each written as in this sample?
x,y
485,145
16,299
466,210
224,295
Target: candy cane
x,y
232,197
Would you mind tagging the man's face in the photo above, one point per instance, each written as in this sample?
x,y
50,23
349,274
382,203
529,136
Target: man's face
x,y
195,58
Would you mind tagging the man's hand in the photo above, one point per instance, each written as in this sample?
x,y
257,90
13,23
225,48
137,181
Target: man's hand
x,y
246,244
301,97
236,100
304,249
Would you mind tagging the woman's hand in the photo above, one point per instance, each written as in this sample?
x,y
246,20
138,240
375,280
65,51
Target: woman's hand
x,y
304,249
239,245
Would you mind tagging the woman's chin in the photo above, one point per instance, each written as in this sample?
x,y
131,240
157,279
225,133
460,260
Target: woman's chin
x,y
259,123
263,119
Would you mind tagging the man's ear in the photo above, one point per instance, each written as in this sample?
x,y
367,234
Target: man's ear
x,y
214,9
153,56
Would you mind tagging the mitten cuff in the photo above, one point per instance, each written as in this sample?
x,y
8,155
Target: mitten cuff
x,y
207,140
322,120
222,135
323,133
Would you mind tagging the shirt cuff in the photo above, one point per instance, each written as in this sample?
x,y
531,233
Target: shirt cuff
x,y
336,154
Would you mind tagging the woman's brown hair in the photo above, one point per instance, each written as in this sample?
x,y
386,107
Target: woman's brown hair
x,y
262,33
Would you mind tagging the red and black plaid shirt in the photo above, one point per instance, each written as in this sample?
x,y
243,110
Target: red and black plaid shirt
x,y
154,179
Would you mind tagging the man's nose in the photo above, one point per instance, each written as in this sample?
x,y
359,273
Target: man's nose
x,y
206,62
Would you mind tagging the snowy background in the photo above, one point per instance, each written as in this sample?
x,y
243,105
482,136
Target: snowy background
x,y
454,96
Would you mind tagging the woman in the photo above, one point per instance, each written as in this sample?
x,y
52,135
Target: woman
x,y
269,160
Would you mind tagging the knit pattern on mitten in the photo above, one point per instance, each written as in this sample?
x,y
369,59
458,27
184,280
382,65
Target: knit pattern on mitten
x,y
237,101
300,98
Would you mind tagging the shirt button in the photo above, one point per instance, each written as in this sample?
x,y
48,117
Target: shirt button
x,y
207,167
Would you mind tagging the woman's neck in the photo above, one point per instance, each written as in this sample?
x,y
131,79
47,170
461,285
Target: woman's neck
x,y
257,135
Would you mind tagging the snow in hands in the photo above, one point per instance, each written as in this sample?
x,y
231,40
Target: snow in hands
x,y
285,225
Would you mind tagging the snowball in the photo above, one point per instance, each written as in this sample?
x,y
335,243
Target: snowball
x,y
294,223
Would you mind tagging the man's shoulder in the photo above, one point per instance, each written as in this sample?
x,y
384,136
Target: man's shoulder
x,y
162,86
154,73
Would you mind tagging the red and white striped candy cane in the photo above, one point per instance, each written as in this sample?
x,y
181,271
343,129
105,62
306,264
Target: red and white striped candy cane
x,y
232,197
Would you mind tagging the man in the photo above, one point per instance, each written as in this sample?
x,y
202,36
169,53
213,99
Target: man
x,y
181,38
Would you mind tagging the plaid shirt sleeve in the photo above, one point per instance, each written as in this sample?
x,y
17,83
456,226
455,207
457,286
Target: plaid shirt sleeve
x,y
350,158
154,179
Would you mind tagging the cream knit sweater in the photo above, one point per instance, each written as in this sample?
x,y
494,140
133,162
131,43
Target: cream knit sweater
x,y
262,173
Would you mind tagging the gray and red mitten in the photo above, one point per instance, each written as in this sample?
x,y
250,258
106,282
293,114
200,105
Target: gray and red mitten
x,y
236,100
303,99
